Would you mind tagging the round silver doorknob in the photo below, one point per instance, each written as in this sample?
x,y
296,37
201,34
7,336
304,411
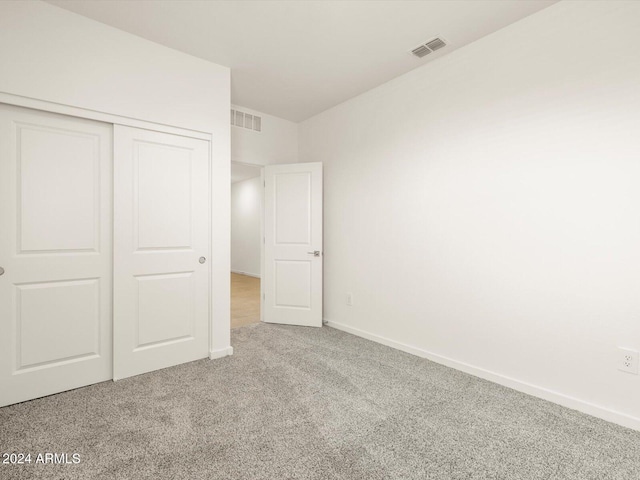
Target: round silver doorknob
x,y
1,271
202,259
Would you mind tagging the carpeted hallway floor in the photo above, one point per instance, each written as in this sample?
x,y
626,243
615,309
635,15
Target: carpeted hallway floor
x,y
304,403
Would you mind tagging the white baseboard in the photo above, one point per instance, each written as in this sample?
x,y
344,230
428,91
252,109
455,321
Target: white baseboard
x,y
256,275
537,391
221,352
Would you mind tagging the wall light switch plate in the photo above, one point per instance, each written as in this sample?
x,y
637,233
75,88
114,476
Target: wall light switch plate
x,y
628,360
350,299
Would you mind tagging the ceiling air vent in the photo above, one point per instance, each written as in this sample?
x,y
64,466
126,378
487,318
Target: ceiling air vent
x,y
246,120
428,47
421,51
435,44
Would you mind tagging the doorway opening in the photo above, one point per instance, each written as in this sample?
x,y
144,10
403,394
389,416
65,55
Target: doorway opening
x,y
246,243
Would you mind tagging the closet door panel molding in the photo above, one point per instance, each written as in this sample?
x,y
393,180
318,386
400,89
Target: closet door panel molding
x,y
56,252
161,272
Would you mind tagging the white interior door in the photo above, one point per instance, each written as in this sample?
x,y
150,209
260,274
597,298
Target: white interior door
x,y
55,253
161,251
292,282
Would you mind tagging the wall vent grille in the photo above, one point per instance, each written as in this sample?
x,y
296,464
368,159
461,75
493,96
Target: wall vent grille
x,y
246,120
427,47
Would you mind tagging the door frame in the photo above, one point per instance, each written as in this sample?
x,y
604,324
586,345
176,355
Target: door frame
x,y
262,232
113,119
261,167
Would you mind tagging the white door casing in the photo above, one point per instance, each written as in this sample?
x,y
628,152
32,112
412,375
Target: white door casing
x,y
56,252
293,244
161,236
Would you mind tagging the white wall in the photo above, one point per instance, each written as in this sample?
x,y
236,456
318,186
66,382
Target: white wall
x,y
246,209
50,54
276,143
485,211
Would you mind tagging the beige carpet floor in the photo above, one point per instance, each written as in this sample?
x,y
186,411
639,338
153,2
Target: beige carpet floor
x,y
245,300
312,404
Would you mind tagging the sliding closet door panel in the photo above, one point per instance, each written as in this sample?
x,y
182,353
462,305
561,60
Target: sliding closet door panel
x,y
55,252
161,284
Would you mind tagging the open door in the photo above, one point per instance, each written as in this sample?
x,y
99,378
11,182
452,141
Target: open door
x,y
292,281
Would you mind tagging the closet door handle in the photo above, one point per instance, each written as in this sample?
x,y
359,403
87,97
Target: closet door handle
x,y
315,253
202,259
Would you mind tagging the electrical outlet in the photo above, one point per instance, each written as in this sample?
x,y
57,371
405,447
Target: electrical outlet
x,y
628,360
350,299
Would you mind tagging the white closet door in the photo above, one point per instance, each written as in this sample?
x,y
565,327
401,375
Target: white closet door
x,y
292,280
55,253
161,251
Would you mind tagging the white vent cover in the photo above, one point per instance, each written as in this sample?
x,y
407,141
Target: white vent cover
x,y
436,44
421,51
246,120
427,47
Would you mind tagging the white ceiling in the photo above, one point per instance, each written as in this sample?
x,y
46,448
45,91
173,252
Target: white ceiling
x,y
241,171
294,59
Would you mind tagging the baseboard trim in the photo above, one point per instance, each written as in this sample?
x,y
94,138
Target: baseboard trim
x,y
221,352
537,391
255,275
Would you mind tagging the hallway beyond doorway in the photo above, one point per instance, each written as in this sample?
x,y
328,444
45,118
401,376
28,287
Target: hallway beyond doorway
x,y
245,300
